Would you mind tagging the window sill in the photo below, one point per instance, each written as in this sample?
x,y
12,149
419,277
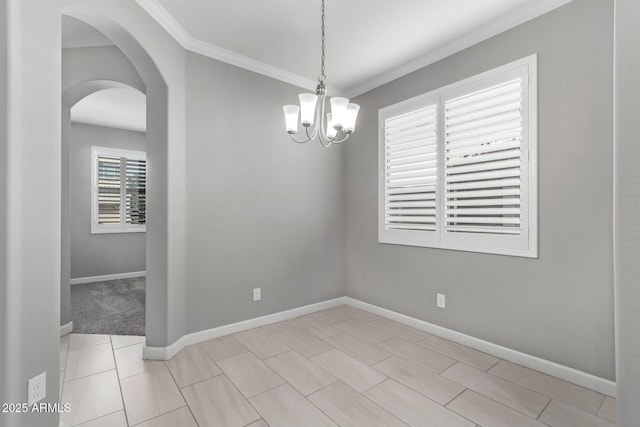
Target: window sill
x,y
118,230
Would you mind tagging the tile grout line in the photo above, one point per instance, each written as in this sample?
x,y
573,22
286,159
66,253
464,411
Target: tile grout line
x,y
247,399
66,359
460,361
252,352
499,403
128,345
319,408
161,415
490,398
200,381
186,402
544,409
113,354
458,414
90,345
97,418
419,392
600,406
376,403
454,398
261,360
494,365
542,394
87,376
362,394
383,360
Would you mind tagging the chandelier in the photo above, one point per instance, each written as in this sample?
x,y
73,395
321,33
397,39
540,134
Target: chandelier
x,y
330,128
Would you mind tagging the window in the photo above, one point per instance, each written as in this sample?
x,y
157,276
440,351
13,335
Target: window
x,y
118,191
458,165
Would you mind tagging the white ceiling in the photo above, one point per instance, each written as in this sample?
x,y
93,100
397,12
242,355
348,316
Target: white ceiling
x,y
368,43
123,108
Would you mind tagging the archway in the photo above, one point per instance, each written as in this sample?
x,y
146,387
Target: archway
x,y
102,270
153,85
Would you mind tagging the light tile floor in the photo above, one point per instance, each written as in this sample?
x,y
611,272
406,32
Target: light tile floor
x,y
341,366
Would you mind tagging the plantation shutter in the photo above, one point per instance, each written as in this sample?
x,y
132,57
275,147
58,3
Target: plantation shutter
x,y
483,161
457,165
109,189
135,193
119,189
410,175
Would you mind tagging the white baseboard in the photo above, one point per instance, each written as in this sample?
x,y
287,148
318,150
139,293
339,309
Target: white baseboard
x,y
92,279
566,373
166,353
66,329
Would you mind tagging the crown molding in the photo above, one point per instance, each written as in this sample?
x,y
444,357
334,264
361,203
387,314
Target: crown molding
x,y
534,9
169,23
188,42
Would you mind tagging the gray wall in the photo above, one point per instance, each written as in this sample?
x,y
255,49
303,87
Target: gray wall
x,y
627,211
99,254
31,270
262,210
65,216
3,195
97,63
560,306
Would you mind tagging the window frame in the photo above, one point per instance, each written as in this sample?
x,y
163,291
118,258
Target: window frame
x,y
96,227
523,245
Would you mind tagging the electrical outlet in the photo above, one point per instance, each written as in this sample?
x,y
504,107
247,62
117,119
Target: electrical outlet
x,y
37,388
257,295
440,300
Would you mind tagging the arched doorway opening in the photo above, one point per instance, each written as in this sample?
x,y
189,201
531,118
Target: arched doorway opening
x,y
103,207
146,78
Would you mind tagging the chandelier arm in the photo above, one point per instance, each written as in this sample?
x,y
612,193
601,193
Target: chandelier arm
x,y
322,137
313,134
322,119
340,141
322,142
299,142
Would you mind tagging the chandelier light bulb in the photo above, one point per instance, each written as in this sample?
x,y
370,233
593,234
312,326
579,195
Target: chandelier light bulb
x,y
339,110
350,117
291,118
308,102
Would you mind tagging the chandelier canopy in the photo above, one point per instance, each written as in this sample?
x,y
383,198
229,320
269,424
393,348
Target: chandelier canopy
x,y
329,128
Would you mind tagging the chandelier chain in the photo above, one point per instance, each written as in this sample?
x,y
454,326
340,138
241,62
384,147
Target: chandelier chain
x,y
322,77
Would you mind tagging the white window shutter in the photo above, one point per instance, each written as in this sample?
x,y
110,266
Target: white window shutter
x,y
135,192
483,161
411,171
458,165
118,190
109,189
